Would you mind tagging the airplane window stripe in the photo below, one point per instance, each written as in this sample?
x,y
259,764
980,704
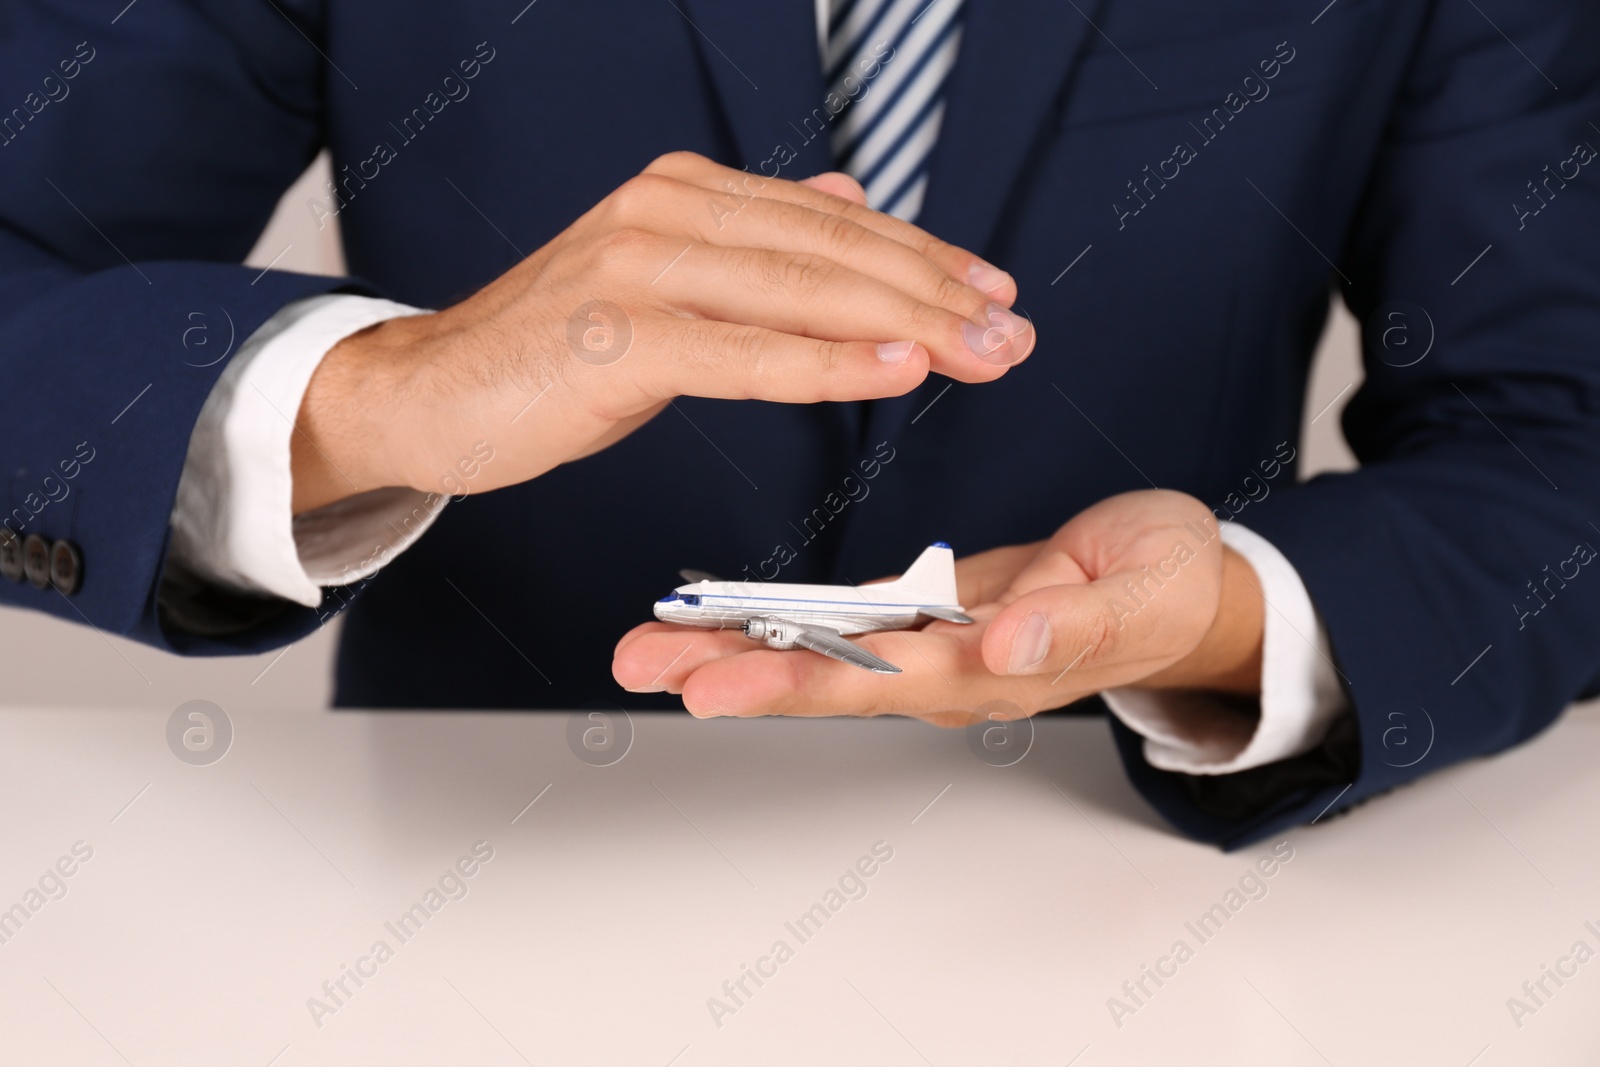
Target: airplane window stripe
x,y
848,604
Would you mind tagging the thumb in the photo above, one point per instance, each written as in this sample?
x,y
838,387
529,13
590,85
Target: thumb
x,y
1073,627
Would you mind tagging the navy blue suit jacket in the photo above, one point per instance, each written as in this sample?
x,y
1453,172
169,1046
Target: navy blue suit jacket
x,y
1206,179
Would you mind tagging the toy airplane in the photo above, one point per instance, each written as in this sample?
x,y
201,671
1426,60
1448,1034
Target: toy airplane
x,y
818,617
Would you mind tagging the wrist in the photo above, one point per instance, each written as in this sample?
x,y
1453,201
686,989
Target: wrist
x,y
1228,657
344,440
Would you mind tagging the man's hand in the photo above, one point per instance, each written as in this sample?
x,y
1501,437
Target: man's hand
x,y
692,279
1137,590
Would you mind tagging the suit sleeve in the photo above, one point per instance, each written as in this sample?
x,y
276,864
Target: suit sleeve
x,y
141,154
1456,570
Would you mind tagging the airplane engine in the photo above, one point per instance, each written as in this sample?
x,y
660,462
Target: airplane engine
x,y
772,632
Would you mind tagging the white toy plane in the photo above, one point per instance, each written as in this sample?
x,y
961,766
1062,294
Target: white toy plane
x,y
818,617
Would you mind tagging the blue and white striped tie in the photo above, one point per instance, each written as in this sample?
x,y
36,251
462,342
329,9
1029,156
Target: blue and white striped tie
x,y
884,138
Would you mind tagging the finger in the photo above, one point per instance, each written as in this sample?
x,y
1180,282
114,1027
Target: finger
x,y
1052,564
813,296
786,227
620,429
837,183
1130,528
726,361
933,668
956,262
1049,631
640,630
658,657
1116,627
783,224
737,186
982,578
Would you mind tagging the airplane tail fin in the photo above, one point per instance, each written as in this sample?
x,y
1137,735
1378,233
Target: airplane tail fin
x,y
932,578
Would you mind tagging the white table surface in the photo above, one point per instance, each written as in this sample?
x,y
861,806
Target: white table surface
x,y
219,898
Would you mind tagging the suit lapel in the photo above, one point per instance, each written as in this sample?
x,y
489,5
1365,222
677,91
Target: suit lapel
x,y
1012,65
766,68
1013,62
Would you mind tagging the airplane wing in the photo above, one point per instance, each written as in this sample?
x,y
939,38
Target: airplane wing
x,y
830,644
947,614
689,574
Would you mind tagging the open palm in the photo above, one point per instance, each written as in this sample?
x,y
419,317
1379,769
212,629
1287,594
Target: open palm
x,y
1123,591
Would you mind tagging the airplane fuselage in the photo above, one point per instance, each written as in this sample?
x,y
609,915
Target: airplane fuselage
x,y
822,618
844,609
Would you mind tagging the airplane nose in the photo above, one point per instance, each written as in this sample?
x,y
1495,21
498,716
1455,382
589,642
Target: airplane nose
x,y
674,611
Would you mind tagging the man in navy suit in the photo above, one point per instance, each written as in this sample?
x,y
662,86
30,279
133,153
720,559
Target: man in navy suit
x,y
562,220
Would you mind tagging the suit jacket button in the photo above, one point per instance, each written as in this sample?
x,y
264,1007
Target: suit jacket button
x,y
36,560
66,566
10,555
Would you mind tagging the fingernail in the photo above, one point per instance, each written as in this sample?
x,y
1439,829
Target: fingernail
x,y
986,278
647,689
1028,648
896,351
985,343
1029,338
990,337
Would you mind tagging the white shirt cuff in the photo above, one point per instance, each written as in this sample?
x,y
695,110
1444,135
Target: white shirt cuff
x,y
232,522
1195,732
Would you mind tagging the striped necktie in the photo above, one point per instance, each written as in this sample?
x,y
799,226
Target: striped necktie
x,y
884,136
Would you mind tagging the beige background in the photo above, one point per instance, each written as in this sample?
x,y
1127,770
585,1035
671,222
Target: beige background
x,y
72,665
